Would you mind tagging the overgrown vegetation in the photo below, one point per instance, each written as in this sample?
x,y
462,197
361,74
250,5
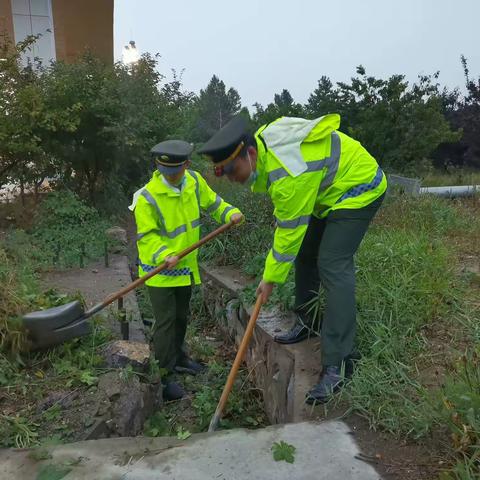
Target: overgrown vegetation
x,y
28,377
63,229
88,127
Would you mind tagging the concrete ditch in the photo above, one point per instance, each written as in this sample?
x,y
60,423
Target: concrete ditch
x,y
283,373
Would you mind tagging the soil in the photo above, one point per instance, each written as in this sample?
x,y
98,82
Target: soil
x,y
395,459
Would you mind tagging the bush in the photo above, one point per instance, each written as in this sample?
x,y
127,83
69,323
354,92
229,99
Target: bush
x,y
63,224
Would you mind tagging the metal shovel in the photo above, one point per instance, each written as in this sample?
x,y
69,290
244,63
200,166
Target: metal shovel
x,y
58,324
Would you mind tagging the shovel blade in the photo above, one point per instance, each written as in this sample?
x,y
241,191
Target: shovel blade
x,y
56,325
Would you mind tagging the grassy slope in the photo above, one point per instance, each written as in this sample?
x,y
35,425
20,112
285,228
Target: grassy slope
x,y
418,313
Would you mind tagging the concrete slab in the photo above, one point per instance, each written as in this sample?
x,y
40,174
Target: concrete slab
x,y
323,451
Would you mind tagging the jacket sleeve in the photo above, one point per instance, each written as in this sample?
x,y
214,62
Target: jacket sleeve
x,y
213,204
152,245
294,201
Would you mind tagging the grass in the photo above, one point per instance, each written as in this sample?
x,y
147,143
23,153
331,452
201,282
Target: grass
x,y
28,379
455,176
416,316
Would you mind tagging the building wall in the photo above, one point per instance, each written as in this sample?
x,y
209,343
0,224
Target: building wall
x,y
6,23
78,26
83,25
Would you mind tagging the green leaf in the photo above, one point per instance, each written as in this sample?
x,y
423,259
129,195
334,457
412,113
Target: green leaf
x,y
87,378
183,434
283,451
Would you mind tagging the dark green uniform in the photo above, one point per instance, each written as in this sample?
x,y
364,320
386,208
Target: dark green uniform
x,y
171,308
326,257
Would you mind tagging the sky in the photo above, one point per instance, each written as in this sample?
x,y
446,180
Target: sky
x,y
262,47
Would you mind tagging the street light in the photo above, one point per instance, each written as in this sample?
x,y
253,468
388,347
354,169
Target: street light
x,y
130,54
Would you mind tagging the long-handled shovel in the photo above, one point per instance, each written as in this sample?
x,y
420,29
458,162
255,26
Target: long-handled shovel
x,y
58,324
236,365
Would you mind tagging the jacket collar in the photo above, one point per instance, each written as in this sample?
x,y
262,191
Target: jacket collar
x,y
160,188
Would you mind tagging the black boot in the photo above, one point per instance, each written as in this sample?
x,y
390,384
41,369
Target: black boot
x,y
187,365
331,380
351,363
172,391
300,331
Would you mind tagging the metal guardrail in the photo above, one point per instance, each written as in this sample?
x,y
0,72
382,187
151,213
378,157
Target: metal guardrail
x,y
452,191
413,187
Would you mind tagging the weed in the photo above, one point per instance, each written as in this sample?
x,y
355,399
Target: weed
x,y
17,431
183,434
241,409
283,451
126,373
53,413
157,425
457,407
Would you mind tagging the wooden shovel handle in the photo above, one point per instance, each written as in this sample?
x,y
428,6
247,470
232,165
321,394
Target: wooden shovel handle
x,y
236,364
115,296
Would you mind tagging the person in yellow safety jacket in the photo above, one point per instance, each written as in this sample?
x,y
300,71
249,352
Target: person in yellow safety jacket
x,y
325,188
167,213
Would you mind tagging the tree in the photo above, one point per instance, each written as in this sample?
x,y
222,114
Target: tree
x,y
122,113
213,108
462,112
26,119
400,124
324,99
283,105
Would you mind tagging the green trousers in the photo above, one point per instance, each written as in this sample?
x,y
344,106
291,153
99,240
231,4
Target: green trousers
x,y
326,257
171,308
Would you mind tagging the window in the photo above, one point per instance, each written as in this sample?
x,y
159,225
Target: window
x,y
33,17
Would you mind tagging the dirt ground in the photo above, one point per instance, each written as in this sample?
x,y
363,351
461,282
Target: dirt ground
x,y
394,459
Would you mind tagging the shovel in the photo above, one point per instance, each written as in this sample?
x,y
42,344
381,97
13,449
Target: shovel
x,y
236,365
58,324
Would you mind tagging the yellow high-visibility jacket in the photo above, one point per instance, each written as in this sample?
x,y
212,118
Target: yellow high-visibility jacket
x,y
168,221
309,168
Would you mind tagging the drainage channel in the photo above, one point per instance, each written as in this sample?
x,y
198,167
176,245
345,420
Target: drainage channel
x,y
283,373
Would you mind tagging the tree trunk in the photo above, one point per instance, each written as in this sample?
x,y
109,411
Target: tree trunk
x,y
37,186
22,191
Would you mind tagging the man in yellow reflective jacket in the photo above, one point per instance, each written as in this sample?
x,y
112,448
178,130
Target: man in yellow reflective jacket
x,y
325,188
167,214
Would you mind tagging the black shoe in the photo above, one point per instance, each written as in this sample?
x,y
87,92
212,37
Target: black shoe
x,y
351,363
187,365
173,391
298,333
331,381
